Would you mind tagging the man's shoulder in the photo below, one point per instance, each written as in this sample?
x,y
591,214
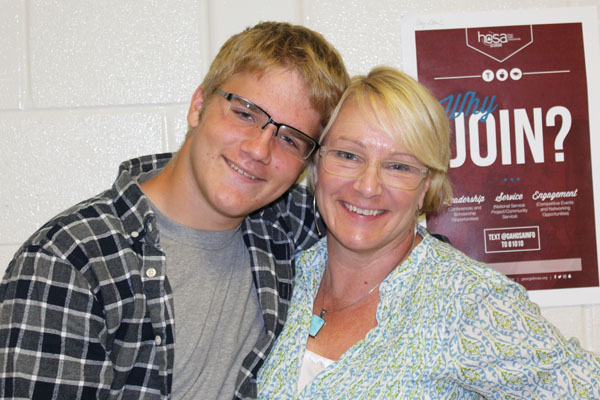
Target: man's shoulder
x,y
299,192
298,197
90,218
119,210
292,205
301,195
288,221
92,243
139,165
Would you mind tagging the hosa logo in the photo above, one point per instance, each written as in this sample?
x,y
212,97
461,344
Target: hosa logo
x,y
493,39
499,42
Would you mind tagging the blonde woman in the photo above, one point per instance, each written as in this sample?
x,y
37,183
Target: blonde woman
x,y
383,310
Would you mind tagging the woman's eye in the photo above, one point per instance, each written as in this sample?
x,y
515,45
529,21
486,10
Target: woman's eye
x,y
346,155
399,167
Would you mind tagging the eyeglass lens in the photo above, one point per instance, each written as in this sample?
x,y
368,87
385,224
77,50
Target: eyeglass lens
x,y
288,138
394,173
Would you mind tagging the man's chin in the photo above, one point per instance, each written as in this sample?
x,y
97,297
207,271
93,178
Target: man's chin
x,y
237,202
237,208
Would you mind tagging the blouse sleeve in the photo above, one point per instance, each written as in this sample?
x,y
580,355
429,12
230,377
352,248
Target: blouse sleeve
x,y
504,348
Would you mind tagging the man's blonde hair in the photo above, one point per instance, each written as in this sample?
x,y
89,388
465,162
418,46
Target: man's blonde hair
x,y
270,45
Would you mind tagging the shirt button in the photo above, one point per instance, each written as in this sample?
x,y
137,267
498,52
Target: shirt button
x,y
134,234
158,340
151,273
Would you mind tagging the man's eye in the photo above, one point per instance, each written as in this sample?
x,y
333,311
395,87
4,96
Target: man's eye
x,y
244,112
244,116
290,141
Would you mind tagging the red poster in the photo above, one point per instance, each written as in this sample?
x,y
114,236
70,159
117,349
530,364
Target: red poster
x,y
521,168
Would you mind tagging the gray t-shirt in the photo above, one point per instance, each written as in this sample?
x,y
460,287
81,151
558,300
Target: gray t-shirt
x,y
217,314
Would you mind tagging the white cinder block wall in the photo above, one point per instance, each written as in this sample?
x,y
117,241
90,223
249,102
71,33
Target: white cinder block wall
x,y
86,84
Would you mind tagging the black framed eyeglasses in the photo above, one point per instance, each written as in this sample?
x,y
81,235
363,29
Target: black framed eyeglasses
x,y
247,114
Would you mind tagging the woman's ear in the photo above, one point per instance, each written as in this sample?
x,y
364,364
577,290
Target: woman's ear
x,y
193,116
424,190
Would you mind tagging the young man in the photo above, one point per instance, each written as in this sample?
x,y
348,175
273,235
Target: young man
x,y
171,283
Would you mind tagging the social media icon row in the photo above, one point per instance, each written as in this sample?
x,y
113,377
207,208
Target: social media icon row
x,y
502,74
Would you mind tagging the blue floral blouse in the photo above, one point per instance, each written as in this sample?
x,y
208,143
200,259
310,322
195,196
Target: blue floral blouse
x,y
448,328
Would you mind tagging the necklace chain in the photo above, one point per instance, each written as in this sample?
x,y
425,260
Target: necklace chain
x,y
324,311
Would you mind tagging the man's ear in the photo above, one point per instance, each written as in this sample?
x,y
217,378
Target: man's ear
x,y
193,116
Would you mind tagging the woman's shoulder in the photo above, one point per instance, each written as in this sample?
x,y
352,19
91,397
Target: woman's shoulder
x,y
458,272
313,259
316,252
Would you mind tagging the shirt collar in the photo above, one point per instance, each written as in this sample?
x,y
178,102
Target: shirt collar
x,y
131,204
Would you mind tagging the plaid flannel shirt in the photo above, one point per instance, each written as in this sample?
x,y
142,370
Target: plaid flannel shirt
x,y
86,309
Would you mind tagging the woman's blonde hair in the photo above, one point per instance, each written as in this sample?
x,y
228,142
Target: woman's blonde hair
x,y
412,116
270,45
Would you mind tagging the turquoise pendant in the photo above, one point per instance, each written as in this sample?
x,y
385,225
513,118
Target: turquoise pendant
x,y
316,324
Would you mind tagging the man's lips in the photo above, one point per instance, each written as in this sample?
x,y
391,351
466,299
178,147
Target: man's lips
x,y
241,171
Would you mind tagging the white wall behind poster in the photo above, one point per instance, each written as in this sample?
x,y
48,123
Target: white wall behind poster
x,y
85,84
